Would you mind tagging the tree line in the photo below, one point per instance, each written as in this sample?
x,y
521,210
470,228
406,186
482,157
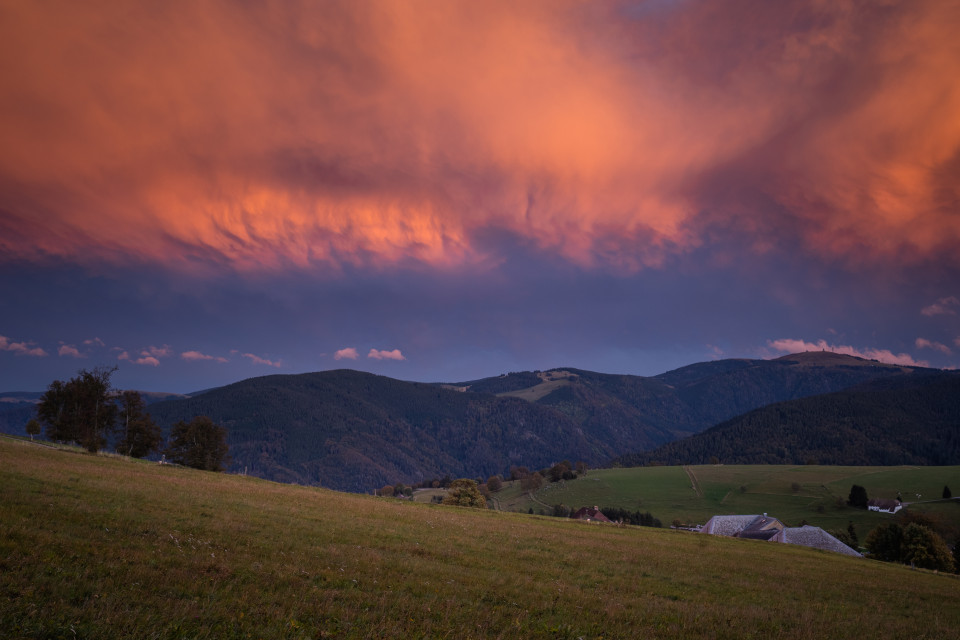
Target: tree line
x,y
86,411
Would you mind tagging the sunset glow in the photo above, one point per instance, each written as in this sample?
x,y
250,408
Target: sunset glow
x,y
317,140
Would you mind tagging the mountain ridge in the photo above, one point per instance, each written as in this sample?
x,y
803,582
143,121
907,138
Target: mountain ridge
x,y
355,431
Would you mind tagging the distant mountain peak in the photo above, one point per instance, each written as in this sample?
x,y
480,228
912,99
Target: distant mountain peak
x,y
828,358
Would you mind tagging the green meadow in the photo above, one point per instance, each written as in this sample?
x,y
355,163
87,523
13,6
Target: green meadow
x,y
107,547
811,493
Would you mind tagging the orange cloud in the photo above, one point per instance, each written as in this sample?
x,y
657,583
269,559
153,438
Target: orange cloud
x,y
321,135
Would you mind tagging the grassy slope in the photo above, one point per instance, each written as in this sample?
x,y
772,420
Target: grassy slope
x,y
667,492
98,547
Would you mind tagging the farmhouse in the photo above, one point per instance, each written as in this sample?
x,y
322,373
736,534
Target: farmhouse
x,y
765,527
815,537
755,527
885,506
590,515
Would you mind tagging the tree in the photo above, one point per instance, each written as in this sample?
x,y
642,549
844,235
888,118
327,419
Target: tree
x,y
914,544
79,410
33,428
858,497
883,543
199,444
924,548
946,493
139,434
532,482
852,532
494,483
465,493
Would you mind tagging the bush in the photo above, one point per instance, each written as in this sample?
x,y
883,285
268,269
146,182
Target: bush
x,y
465,493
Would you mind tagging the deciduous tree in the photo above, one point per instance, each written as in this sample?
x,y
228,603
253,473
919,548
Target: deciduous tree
x,y
924,548
200,444
914,544
138,434
465,493
80,410
33,428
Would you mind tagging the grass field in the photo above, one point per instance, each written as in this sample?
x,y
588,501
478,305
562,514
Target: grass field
x,y
106,547
816,494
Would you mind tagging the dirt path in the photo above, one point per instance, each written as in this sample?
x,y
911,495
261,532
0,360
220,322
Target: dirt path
x,y
693,481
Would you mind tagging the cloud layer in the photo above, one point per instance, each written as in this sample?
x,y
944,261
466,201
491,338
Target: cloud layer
x,y
320,136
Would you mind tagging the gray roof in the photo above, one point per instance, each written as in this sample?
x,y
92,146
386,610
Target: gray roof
x,y
815,537
727,525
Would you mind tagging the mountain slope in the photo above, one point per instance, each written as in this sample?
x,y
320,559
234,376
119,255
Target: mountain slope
x,y
892,421
636,412
355,431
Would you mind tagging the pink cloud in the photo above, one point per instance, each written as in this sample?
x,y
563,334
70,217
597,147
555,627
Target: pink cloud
x,y
258,360
69,350
943,306
144,359
156,352
21,348
192,356
349,353
94,342
385,355
923,343
788,345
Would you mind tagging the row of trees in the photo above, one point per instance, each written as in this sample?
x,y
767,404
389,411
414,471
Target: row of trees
x,y
913,544
86,411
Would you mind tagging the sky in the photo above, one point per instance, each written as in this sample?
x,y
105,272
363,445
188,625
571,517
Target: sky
x,y
202,192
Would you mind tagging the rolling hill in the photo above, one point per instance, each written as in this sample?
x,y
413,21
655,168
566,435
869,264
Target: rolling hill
x,y
356,431
889,421
109,548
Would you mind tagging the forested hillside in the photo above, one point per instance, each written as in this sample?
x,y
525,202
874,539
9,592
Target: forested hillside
x,y
355,431
636,412
893,421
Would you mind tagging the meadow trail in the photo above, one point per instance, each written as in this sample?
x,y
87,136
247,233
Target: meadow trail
x,y
693,481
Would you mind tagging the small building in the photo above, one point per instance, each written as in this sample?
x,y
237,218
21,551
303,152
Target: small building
x,y
590,514
884,506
